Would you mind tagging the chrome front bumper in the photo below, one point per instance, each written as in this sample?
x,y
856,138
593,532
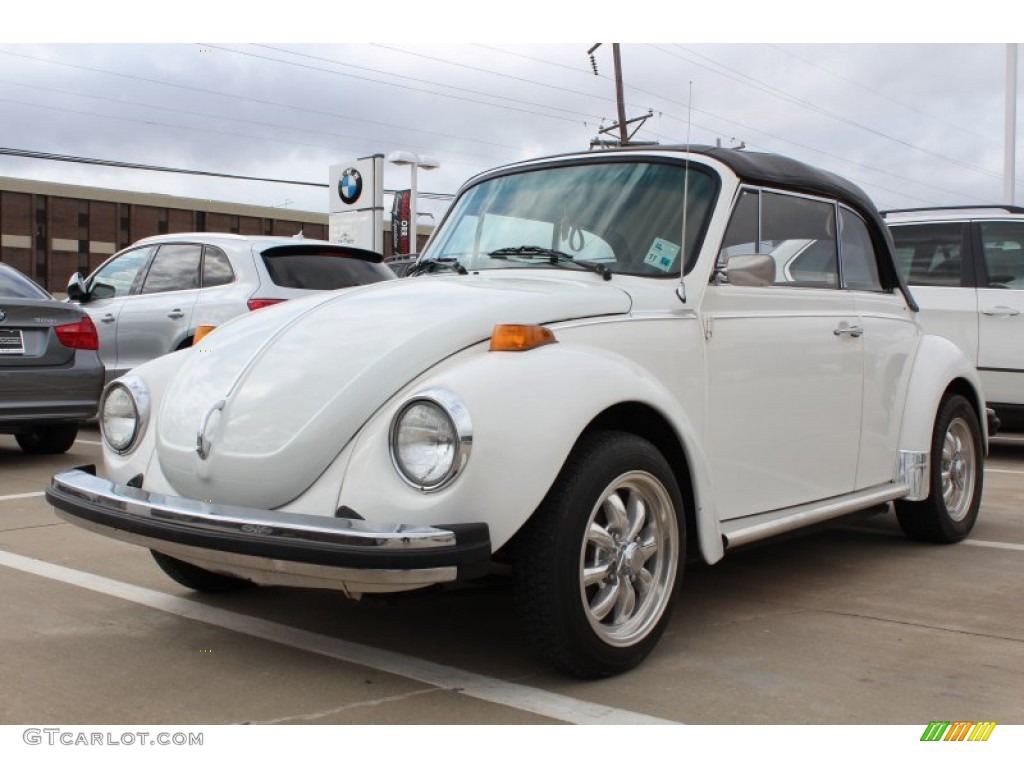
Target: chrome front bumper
x,y
274,547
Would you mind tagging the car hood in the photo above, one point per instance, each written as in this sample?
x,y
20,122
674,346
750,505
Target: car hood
x,y
279,393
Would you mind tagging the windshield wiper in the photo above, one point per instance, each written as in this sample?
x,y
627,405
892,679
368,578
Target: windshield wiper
x,y
436,264
556,258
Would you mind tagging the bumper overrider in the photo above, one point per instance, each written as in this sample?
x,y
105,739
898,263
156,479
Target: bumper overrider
x,y
274,547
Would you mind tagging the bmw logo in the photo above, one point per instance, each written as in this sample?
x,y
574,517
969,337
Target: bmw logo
x,y
3,315
350,185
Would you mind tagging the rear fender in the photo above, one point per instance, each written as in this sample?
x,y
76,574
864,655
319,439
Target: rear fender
x,y
939,367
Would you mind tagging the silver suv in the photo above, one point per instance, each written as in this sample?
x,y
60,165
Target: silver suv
x,y
965,266
149,299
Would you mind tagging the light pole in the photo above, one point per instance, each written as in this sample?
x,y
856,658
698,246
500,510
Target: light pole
x,y
414,161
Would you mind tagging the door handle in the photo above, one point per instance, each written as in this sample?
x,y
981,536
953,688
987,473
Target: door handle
x,y
108,318
849,330
1001,311
175,314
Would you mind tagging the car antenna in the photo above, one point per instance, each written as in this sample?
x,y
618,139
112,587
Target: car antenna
x,y
681,288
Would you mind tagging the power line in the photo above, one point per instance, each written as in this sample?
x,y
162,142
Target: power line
x,y
186,171
409,87
877,93
779,93
180,111
228,95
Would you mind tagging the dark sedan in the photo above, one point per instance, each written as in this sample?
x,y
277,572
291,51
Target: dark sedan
x,y
50,373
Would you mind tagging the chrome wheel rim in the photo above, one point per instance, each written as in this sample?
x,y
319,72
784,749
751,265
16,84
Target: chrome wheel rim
x,y
958,469
628,559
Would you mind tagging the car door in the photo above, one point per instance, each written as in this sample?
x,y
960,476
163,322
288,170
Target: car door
x,y
1001,310
784,365
156,320
108,288
890,338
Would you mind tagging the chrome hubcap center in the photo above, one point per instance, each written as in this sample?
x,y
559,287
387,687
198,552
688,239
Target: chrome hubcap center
x,y
631,560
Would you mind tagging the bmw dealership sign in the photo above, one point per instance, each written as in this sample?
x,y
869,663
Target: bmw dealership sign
x,y
357,203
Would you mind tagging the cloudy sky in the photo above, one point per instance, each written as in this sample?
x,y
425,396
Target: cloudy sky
x,y
913,123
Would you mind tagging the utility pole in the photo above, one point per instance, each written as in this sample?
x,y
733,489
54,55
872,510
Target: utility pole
x,y
1010,148
625,137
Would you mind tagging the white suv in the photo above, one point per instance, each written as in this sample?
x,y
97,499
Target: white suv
x,y
966,271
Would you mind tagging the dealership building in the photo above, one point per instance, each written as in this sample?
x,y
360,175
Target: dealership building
x,y
50,230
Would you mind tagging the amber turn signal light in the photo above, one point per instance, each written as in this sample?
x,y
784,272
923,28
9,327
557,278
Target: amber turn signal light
x,y
520,338
201,331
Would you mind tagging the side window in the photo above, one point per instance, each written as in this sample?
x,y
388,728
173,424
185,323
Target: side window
x,y
1002,244
798,233
860,263
930,254
216,267
742,234
116,278
175,268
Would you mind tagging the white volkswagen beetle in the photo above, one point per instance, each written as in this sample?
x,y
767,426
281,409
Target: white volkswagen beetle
x,y
604,373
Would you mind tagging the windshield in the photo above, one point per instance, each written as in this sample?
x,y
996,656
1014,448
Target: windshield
x,y
626,216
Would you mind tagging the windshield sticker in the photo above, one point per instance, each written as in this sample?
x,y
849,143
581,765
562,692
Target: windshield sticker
x,y
662,254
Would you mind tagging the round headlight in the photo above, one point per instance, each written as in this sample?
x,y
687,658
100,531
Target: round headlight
x,y
430,440
122,414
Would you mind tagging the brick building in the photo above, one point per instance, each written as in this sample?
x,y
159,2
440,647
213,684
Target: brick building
x,y
49,230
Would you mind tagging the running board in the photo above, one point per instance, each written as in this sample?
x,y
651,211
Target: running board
x,y
746,530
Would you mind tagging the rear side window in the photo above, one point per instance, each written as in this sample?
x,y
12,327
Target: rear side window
x,y
860,265
1002,244
175,268
216,267
323,271
930,254
14,285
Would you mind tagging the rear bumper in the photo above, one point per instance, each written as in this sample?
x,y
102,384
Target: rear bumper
x,y
352,555
43,395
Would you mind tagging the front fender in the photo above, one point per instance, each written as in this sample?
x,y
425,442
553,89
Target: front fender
x,y
528,409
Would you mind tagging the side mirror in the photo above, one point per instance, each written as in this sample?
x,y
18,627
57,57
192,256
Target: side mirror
x,y
750,269
76,288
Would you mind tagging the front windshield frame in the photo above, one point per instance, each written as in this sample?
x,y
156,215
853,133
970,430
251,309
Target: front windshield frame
x,y
473,205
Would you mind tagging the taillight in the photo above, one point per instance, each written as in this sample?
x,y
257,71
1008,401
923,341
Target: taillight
x,y
80,335
255,304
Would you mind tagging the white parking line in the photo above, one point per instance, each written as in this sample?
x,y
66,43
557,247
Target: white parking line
x,y
89,442
1005,471
490,689
993,544
14,496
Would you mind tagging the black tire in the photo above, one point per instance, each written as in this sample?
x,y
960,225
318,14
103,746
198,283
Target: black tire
x,y
194,577
956,477
48,438
593,602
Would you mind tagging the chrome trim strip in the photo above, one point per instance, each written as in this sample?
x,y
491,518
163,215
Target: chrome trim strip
x,y
241,522
912,469
750,529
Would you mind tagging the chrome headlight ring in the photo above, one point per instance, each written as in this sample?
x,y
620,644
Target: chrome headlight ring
x,y
124,413
430,439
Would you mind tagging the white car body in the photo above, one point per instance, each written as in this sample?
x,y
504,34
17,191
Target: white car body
x,y
965,267
753,409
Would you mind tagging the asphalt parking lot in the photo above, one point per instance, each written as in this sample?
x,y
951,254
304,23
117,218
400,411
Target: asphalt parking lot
x,y
852,624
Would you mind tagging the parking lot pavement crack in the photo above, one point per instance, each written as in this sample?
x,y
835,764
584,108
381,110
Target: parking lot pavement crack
x,y
357,705
917,624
